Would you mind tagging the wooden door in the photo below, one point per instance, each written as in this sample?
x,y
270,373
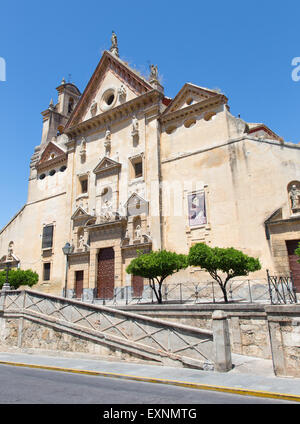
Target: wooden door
x,y
137,284
293,261
106,273
78,284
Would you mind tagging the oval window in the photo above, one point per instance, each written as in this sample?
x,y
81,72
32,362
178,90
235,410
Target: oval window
x,y
52,172
42,176
63,168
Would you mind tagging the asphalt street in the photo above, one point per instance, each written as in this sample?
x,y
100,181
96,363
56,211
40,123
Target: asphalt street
x,y
35,386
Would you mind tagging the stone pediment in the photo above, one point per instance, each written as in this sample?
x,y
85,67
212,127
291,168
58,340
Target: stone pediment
x,y
113,76
189,95
80,214
107,164
51,155
136,205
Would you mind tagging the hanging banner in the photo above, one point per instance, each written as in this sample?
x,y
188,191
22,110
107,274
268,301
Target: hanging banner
x,y
197,211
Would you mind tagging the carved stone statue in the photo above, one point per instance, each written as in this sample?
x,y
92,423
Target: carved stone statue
x,y
122,93
107,142
83,148
106,211
114,44
10,251
138,232
135,126
153,73
295,198
81,242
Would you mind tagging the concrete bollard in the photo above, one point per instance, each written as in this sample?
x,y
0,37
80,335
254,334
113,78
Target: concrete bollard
x,y
222,349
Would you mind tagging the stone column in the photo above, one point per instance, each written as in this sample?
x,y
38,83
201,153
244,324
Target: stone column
x,y
222,349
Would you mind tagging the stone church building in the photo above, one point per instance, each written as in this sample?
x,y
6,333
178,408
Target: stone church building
x,y
122,168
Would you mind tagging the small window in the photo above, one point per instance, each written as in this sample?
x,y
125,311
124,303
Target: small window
x,y
42,176
138,169
46,271
84,185
63,168
47,237
52,172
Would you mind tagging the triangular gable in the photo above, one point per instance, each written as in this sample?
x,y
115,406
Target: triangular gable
x,y
80,214
108,63
188,95
52,152
106,164
132,208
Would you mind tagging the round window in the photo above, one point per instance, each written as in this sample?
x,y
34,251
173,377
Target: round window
x,y
108,99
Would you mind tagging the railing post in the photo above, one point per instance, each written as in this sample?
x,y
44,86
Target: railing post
x,y
221,342
250,291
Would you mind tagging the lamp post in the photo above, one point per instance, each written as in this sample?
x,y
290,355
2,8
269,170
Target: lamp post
x,y
6,285
67,249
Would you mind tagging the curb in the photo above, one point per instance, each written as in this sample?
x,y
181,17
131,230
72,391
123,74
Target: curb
x,y
198,386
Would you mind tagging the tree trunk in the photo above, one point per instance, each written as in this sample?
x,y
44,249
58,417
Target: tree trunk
x,y
224,293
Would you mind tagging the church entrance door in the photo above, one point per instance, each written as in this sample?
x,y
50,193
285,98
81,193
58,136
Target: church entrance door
x,y
106,273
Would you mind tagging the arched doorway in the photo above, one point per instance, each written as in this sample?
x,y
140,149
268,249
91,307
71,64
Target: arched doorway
x,y
106,273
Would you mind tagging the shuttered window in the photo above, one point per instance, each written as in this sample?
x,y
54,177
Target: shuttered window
x,y
47,237
46,276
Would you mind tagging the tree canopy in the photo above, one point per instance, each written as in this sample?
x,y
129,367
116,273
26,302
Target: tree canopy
x,y
157,266
216,260
18,277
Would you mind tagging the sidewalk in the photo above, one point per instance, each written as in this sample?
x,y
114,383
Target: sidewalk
x,y
250,376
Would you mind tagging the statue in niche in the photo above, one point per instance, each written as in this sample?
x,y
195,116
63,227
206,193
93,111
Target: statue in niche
x,y
107,142
135,126
83,148
295,198
138,232
93,108
106,211
10,251
153,73
81,242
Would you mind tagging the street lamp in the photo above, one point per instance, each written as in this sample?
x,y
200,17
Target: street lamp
x,y
6,285
67,249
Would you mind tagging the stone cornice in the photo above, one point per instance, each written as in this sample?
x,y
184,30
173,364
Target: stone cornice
x,y
217,100
121,112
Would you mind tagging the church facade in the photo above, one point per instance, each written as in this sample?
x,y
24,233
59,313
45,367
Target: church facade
x,y
122,168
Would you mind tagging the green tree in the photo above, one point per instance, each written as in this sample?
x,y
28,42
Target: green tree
x,y
216,261
297,252
157,266
18,277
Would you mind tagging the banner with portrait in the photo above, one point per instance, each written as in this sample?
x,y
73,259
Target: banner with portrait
x,y
197,210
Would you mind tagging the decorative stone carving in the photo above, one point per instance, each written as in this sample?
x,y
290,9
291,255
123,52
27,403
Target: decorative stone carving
x,y
153,73
295,198
10,251
83,149
106,211
107,142
135,126
122,93
81,242
138,232
114,44
93,108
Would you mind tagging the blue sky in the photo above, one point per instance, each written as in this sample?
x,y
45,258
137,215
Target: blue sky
x,y
244,48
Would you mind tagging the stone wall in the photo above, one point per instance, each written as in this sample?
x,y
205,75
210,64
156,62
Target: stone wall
x,y
248,324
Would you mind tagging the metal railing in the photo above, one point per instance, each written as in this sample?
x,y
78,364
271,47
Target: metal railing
x,y
246,291
282,289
